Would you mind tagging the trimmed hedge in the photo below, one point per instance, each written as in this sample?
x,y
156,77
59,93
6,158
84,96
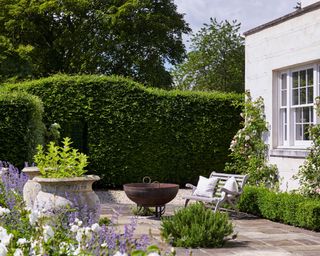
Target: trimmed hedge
x,y
21,127
289,208
130,131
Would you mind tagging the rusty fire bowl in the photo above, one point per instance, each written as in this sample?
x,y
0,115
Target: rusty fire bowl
x,y
151,194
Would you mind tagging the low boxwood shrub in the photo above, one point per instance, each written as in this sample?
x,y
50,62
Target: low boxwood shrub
x,y
290,203
21,127
308,214
269,205
249,200
289,208
130,131
196,226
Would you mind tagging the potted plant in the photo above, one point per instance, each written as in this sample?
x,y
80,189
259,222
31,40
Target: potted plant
x,y
62,180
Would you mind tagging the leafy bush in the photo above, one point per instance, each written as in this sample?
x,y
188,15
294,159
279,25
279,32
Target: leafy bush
x,y
289,208
309,172
130,131
308,214
21,127
60,162
249,200
249,153
196,226
269,205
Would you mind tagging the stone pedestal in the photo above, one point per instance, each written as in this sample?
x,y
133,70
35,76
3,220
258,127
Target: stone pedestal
x,y
31,188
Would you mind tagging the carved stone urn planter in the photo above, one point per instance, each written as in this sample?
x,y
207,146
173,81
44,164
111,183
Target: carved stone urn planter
x,y
31,188
57,194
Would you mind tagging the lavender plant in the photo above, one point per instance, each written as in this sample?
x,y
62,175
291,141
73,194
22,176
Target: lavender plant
x,y
26,232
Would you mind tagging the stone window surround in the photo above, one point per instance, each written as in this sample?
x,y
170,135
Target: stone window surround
x,y
278,149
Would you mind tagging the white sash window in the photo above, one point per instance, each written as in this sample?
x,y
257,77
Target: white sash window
x,y
297,92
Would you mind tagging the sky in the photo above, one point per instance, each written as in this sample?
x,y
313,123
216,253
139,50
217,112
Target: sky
x,y
251,13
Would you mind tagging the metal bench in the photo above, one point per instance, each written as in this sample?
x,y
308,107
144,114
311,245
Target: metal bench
x,y
219,198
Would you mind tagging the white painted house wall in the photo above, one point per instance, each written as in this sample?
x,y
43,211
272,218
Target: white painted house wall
x,y
305,3
293,42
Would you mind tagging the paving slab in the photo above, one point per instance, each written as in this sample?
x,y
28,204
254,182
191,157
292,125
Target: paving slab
x,y
255,236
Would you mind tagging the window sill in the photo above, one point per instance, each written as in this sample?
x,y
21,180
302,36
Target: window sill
x,y
289,152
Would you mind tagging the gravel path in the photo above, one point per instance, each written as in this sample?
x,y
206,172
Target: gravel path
x,y
119,197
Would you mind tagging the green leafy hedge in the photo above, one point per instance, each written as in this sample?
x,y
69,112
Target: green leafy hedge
x,y
21,127
289,208
130,131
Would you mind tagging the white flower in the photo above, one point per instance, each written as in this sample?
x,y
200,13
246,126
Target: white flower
x,y
3,250
153,254
88,232
79,235
247,137
22,241
173,250
4,237
34,216
47,233
74,228
18,252
78,222
95,228
77,251
4,211
104,245
120,254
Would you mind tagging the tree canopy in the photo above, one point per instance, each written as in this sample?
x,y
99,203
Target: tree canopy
x,y
133,38
216,59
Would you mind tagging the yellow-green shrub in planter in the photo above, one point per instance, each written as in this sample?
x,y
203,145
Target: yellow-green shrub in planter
x,y
63,183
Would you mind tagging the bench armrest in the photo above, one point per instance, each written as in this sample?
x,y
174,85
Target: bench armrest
x,y
188,185
228,192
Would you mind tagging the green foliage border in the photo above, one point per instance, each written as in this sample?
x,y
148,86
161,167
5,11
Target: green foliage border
x,y
134,131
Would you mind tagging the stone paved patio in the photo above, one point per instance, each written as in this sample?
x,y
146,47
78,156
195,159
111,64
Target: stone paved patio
x,y
258,237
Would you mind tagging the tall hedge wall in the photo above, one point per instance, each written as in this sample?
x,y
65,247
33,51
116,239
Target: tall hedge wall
x,y
130,131
21,127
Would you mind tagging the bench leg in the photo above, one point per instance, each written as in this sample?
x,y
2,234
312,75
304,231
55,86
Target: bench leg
x,y
217,206
186,203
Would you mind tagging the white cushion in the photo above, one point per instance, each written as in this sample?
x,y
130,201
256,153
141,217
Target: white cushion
x,y
205,186
231,184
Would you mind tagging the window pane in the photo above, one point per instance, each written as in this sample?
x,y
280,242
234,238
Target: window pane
x,y
284,81
285,132
310,76
295,100
298,115
284,98
310,94
303,80
295,79
303,95
283,124
306,116
306,134
299,132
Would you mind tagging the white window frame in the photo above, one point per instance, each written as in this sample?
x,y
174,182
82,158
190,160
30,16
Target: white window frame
x,y
291,141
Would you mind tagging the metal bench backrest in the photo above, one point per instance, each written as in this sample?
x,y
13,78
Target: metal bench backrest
x,y
223,177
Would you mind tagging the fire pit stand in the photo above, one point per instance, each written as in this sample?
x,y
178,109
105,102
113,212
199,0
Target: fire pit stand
x,y
159,210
